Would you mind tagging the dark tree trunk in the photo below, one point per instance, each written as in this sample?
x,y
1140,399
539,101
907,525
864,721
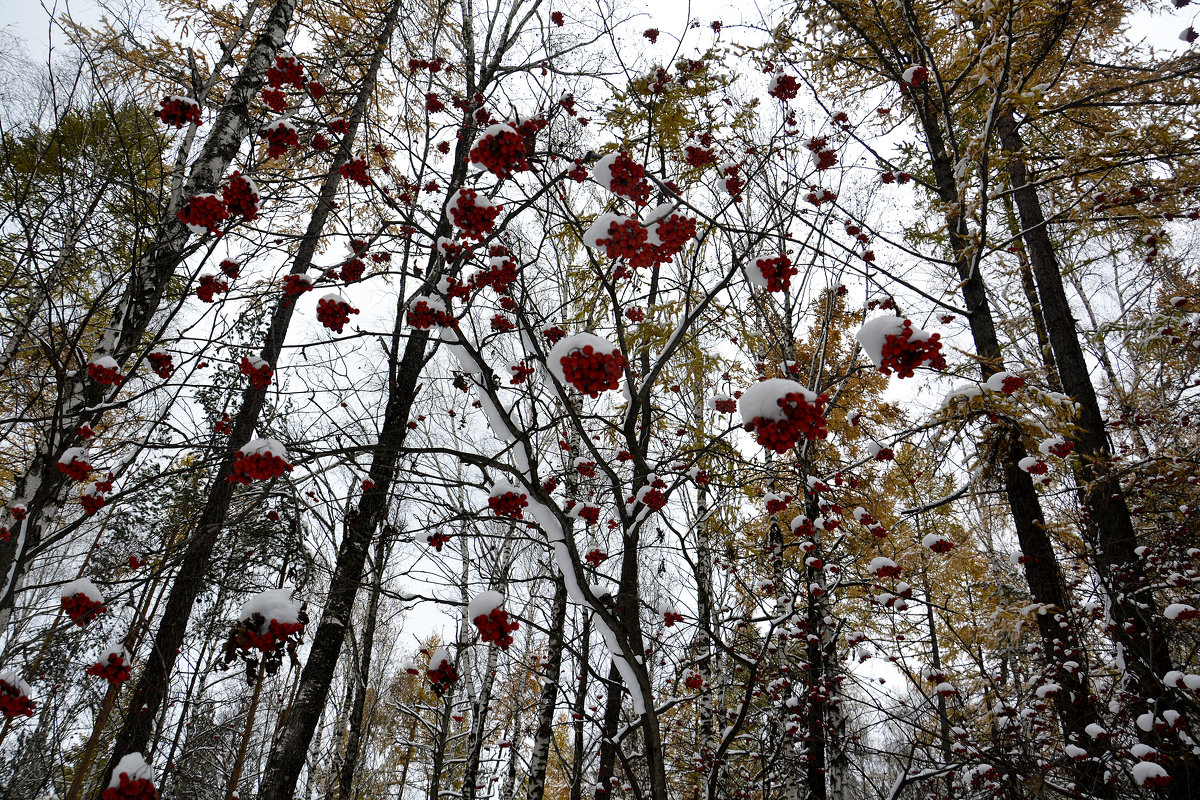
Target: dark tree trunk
x,y
539,757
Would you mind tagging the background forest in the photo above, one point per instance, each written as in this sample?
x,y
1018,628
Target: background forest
x,y
493,399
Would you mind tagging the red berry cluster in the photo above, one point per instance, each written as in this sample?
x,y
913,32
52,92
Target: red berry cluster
x,y
499,275
109,376
259,374
280,136
885,454
355,170
625,239
316,89
694,681
204,211
76,470
941,545
501,152
596,557
578,173
917,76
699,156
654,499
496,628
333,313
437,540
520,371
82,609
887,571
509,504
179,111
223,426
776,505
1062,449
629,179
257,467
275,100
295,284
275,638
209,286
671,617
553,334
1012,383
777,272
320,143
592,372
353,270
91,503
557,18
434,66
442,678
675,231
819,197
502,323
18,512
784,87
475,220
1038,467
161,364
230,268
423,316
287,70
114,671
903,355
823,155
240,198
13,702
726,405
801,418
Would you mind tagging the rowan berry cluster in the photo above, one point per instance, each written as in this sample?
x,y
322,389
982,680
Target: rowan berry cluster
x,y
275,100
801,418
443,678
509,504
258,371
276,636
91,503
76,469
355,170
501,274
784,87
699,156
693,680
591,371
179,111
671,617
675,231
14,702
501,323
1061,449
209,286
257,467
437,540
726,405
590,514
82,609
106,374
823,156
423,315
495,627
280,135
476,219
940,544
131,789
286,70
295,284
653,499
230,268
554,334
241,198
777,272
353,270
203,213
628,179
334,312
1012,383
161,363
777,504
595,557
501,150
520,371
885,568
114,669
903,355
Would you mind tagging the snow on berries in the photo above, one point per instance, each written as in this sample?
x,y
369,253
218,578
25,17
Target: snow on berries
x,y
132,779
915,75
783,86
14,696
179,111
295,284
258,370
203,213
1033,465
161,363
92,498
588,362
1004,382
937,543
334,312
269,621
507,500
773,274
1149,774
241,198
883,567
894,344
113,665
82,601
1180,611
429,310
722,403
473,213
208,286
74,464
619,235
104,370
1056,446
280,135
780,411
670,615
260,460
624,177
441,672
500,150
493,623
356,170
823,155
286,70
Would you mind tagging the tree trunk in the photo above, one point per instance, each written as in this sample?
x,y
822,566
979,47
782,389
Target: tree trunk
x,y
539,756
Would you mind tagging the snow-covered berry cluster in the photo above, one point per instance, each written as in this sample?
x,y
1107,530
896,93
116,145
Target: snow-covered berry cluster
x,y
441,672
203,213
258,371
295,284
82,602
280,135
883,567
773,274
621,237
334,312
437,540
501,151
179,111
473,213
937,543
352,270
74,464
693,680
486,612
624,177
104,370
783,86
895,345
428,311
113,665
268,622
588,362
915,75
595,557
356,170
1056,446
779,412
209,286
14,696
823,155
91,500
132,780
230,268
286,70
261,460
241,197
161,363
507,501
670,617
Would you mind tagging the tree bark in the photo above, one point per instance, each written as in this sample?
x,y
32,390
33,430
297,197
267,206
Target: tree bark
x,y
539,757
